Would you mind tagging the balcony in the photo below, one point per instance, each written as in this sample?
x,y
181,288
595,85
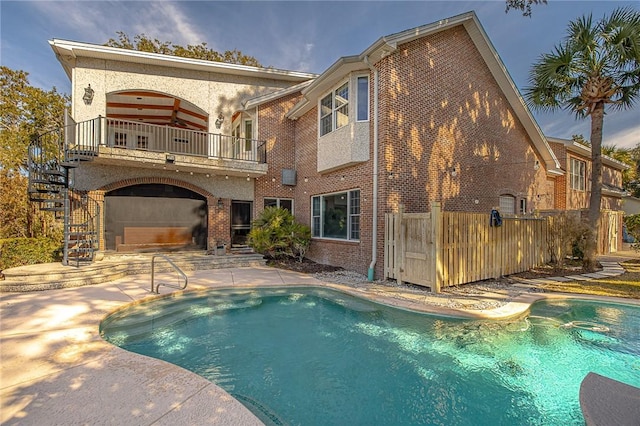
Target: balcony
x,y
133,144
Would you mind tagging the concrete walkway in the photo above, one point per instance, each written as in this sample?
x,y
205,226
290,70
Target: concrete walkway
x,y
55,368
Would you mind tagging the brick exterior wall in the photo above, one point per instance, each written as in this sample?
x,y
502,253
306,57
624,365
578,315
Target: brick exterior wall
x,y
573,199
279,134
446,133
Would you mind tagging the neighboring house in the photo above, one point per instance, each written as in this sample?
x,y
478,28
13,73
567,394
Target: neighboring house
x,y
573,189
182,151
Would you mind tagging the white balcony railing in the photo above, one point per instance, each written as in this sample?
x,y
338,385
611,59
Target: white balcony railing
x,y
88,135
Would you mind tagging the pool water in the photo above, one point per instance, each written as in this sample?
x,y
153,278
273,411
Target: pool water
x,y
305,356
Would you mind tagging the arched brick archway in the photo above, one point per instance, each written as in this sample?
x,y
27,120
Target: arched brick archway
x,y
158,180
217,209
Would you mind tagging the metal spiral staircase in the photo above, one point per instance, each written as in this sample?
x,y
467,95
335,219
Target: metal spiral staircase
x,y
51,162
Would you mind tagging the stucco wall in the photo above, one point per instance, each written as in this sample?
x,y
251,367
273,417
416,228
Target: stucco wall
x,y
349,144
94,176
214,93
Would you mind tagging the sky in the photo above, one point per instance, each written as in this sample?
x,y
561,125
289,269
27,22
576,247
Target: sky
x,y
301,36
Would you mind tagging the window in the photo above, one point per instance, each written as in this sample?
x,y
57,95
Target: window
x,y
577,174
283,203
248,134
334,110
507,204
523,206
336,215
363,99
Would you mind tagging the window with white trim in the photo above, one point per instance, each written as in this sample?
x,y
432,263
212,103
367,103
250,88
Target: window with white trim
x,y
507,204
283,203
336,215
523,206
577,174
334,109
362,107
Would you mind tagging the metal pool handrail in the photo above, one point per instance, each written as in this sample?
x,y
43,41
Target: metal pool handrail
x,y
177,269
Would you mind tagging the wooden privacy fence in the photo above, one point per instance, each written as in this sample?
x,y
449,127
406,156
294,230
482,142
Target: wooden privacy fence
x,y
443,249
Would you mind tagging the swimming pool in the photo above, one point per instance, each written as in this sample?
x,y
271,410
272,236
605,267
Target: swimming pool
x,y
316,356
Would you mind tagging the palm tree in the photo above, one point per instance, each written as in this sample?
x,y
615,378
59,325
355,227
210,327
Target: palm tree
x,y
597,64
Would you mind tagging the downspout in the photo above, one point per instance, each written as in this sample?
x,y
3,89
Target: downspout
x,y
374,239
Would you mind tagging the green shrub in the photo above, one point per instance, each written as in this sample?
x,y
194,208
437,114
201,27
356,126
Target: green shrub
x,y
28,251
275,234
567,237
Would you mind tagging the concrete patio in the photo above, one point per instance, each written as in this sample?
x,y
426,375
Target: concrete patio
x,y
56,369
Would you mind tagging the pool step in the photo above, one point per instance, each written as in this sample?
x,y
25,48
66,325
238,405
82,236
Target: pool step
x,y
138,322
51,276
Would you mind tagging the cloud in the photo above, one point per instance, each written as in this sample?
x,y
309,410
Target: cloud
x,y
98,21
626,138
168,22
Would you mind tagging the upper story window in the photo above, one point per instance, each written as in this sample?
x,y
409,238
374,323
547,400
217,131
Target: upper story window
x,y
334,110
336,215
363,99
577,174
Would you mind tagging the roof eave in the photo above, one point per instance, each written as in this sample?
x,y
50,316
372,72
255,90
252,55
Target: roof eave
x,y
325,81
579,148
505,82
68,50
260,100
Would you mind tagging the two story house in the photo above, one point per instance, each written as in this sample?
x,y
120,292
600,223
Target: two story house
x,y
573,189
182,152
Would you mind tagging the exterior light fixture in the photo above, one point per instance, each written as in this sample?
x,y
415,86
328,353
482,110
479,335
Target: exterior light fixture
x,y
170,158
248,178
219,121
226,176
454,173
220,204
536,166
306,179
88,95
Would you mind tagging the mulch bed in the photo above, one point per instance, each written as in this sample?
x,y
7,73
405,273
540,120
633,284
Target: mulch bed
x,y
310,267
306,266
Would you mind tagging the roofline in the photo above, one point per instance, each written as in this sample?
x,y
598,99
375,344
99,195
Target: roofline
x,y
387,44
66,51
259,100
577,147
342,63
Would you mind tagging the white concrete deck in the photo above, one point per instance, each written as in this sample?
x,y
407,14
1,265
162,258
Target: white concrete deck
x,y
56,369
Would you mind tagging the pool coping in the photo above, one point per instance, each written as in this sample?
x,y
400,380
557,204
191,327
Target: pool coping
x,y
57,369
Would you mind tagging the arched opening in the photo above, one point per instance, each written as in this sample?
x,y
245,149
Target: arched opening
x,y
151,217
148,107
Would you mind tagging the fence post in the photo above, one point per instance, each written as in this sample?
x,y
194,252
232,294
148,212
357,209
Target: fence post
x,y
399,252
436,241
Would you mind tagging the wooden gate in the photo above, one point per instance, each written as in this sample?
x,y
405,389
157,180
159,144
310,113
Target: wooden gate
x,y
410,253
